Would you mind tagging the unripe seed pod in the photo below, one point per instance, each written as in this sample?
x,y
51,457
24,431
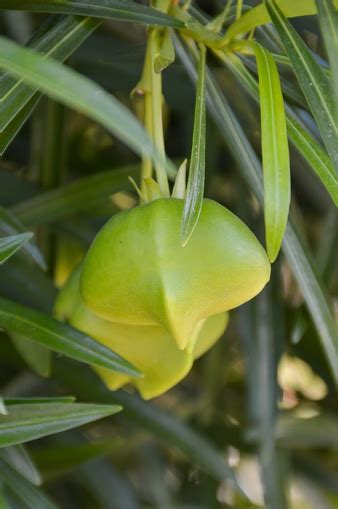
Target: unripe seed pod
x,y
137,272
149,348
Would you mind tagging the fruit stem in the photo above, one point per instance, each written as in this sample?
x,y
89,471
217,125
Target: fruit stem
x,y
156,106
151,85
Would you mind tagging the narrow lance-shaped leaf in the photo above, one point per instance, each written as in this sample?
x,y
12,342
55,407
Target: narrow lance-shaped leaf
x,y
3,498
163,425
303,141
195,189
18,458
269,345
29,494
313,81
10,225
328,19
259,15
306,145
275,151
9,245
121,10
14,126
60,337
31,421
40,400
81,93
300,262
58,40
94,477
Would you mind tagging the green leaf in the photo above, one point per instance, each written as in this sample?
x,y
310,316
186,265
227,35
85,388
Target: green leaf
x,y
10,225
195,189
27,422
328,19
9,245
3,499
59,41
29,494
14,126
61,458
313,81
268,344
80,93
101,479
313,290
304,433
121,10
59,337
259,15
18,458
77,196
309,149
275,152
169,429
315,296
16,278
313,153
40,400
38,358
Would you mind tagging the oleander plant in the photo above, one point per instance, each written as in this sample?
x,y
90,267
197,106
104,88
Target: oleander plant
x,y
168,254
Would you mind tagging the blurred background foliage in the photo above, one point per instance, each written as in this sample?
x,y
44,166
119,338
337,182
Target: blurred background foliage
x,y
261,404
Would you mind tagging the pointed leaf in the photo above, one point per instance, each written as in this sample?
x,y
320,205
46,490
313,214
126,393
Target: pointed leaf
x,y
121,10
275,151
79,92
10,225
54,39
259,15
307,146
27,422
313,81
195,188
301,264
168,428
24,490
18,458
328,19
268,346
13,127
59,337
9,245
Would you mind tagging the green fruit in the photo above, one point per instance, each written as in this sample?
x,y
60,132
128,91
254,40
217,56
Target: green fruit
x,y
149,348
136,271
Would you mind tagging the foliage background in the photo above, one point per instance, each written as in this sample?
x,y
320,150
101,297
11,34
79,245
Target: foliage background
x,y
63,176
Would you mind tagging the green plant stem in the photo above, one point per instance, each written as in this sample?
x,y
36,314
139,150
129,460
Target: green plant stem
x,y
156,107
153,117
147,167
239,9
151,86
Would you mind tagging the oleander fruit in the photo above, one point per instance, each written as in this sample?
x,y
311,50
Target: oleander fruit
x,y
148,347
136,271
